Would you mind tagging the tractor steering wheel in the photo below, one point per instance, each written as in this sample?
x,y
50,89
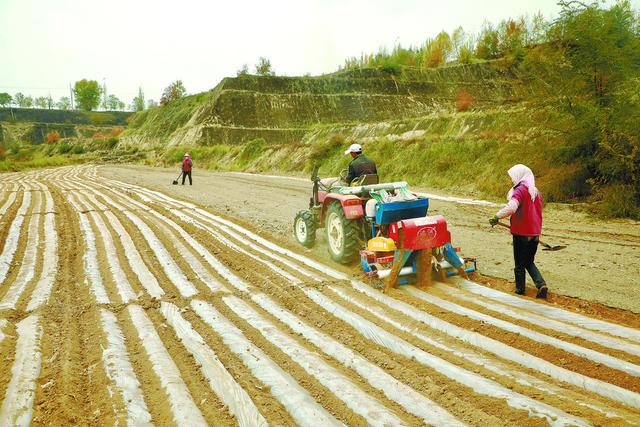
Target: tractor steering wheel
x,y
343,175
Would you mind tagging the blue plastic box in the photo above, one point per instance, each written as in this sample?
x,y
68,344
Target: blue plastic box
x,y
387,213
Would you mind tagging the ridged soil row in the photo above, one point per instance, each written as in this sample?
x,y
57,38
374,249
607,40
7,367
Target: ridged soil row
x,y
552,353
169,342
30,265
601,343
40,290
233,260
390,403
184,362
13,243
524,378
72,385
331,404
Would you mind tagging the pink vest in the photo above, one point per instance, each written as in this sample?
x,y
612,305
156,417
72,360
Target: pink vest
x,y
527,221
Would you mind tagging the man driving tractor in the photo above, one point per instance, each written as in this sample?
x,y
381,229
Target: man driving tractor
x,y
360,165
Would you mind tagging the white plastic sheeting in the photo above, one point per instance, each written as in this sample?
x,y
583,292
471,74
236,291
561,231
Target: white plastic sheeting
x,y
177,277
222,383
405,396
119,278
11,241
17,406
92,278
552,312
8,203
545,322
493,365
121,373
146,279
198,268
587,353
184,410
500,349
3,323
295,399
44,285
476,382
344,389
171,269
28,265
231,245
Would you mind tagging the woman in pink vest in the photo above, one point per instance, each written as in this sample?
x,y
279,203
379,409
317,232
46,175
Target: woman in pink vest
x,y
187,165
525,209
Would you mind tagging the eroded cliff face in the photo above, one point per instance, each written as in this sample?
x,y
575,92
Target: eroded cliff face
x,y
291,109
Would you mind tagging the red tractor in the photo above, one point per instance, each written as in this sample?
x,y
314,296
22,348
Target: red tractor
x,y
383,224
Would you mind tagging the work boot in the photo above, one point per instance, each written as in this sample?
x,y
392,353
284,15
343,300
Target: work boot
x,y
542,292
519,291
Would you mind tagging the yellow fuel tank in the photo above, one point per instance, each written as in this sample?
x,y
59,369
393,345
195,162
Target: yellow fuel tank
x,y
381,244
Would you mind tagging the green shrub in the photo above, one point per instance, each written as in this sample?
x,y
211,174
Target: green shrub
x,y
618,202
391,68
324,150
64,148
251,150
78,149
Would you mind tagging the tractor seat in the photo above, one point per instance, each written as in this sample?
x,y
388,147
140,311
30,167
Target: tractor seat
x,y
365,180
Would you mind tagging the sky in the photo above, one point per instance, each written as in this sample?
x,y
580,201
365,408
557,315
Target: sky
x,y
46,45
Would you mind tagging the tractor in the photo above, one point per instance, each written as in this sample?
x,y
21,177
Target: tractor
x,y
384,225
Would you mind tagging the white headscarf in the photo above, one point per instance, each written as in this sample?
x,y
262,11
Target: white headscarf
x,y
522,174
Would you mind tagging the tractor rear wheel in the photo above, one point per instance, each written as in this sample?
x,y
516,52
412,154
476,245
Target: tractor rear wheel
x,y
304,228
343,235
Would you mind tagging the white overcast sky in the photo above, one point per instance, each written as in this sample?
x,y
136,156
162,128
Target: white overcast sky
x,y
47,44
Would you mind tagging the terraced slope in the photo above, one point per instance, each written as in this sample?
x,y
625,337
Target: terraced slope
x,y
284,109
119,304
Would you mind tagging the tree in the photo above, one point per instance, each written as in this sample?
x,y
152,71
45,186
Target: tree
x,y
22,100
437,50
87,94
488,43
41,102
49,102
113,103
64,103
243,71
172,92
138,101
5,99
263,67
151,103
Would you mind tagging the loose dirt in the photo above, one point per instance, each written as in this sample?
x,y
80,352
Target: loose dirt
x,y
237,256
600,263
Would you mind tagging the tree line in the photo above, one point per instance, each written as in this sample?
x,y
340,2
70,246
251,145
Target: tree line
x,y
582,71
86,95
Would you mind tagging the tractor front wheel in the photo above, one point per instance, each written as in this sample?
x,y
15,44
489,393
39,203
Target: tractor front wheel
x,y
304,228
342,234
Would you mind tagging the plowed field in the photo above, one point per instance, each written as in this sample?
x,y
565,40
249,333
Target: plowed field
x,y
120,304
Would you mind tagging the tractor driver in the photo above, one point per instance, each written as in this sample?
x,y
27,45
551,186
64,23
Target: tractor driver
x,y
360,165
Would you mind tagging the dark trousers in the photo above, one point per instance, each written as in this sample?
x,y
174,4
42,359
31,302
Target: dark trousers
x,y
524,253
186,174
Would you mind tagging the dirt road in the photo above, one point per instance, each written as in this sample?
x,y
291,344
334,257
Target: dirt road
x,y
122,304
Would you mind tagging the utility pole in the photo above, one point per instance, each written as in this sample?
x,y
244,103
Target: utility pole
x,y
71,92
104,94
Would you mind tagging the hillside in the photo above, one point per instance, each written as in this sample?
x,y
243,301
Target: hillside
x,y
285,109
412,123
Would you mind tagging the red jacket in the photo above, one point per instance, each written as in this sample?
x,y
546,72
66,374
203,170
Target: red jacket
x,y
527,220
186,164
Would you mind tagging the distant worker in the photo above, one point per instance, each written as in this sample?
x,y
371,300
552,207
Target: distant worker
x,y
525,209
187,165
360,165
